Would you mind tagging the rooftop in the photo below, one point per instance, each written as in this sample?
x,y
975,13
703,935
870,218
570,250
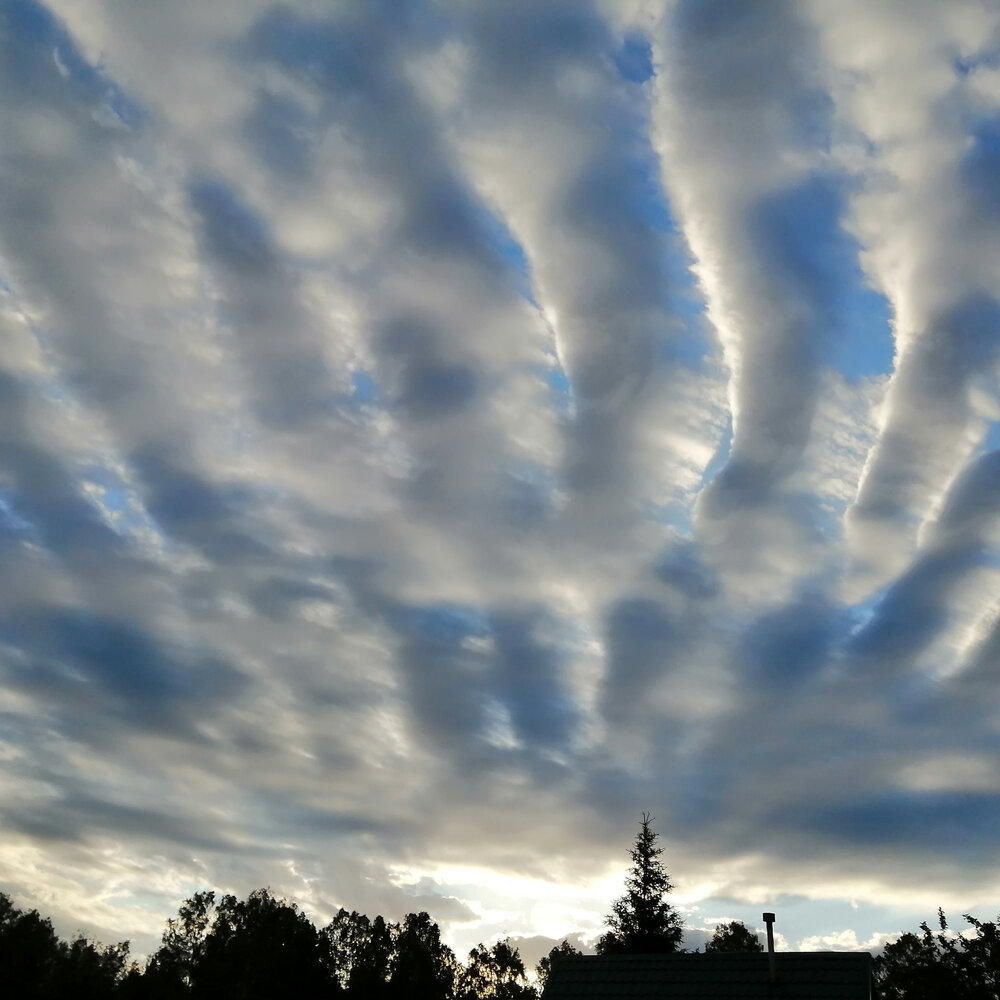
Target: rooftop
x,y
735,976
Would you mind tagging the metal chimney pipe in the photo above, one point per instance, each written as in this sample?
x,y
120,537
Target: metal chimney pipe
x,y
772,976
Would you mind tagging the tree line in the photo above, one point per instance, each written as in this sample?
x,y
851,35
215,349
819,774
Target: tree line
x,y
257,948
932,964
225,948
221,947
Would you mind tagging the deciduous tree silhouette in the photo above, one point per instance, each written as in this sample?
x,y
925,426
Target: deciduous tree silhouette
x,y
544,966
88,971
495,973
29,952
170,970
260,948
734,936
423,967
981,956
360,953
642,921
935,964
36,965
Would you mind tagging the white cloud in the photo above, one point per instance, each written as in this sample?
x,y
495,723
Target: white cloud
x,y
846,940
930,241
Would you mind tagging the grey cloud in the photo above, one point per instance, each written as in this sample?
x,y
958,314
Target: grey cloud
x,y
538,946
530,678
737,87
788,647
375,894
436,361
427,386
911,613
444,700
279,127
597,263
196,511
457,615
279,597
349,58
978,170
642,641
935,820
147,685
938,266
971,697
930,406
284,812
972,503
45,489
916,606
278,346
681,567
74,816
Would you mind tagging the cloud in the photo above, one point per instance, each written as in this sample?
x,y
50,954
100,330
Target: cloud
x,y
846,940
918,211
771,255
433,434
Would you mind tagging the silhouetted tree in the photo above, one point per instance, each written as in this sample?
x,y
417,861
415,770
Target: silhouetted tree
x,y
544,966
135,985
734,936
423,967
981,956
496,972
170,970
88,971
260,948
36,965
29,952
935,964
360,953
921,966
642,921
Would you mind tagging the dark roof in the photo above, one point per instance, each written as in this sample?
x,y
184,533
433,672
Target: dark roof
x,y
801,975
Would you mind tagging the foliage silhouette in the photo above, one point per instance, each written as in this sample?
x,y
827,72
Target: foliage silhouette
x,y
358,952
641,921
169,972
544,966
87,971
734,936
423,967
36,965
935,964
495,973
260,948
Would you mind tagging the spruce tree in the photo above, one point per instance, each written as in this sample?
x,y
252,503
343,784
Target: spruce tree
x,y
641,921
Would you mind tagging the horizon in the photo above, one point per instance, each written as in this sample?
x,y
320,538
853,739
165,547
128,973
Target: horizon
x,y
533,948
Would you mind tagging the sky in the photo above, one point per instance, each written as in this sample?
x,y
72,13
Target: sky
x,y
434,432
